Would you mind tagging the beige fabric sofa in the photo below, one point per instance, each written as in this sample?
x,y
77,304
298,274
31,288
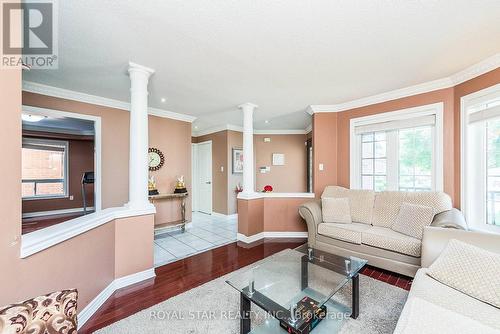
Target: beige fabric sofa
x,y
370,235
433,307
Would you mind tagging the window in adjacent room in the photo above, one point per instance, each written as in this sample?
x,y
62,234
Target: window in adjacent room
x,y
398,150
44,168
481,158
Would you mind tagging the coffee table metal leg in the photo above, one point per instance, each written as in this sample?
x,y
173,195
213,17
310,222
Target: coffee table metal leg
x,y
355,297
244,314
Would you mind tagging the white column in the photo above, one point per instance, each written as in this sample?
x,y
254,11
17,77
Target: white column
x,y
138,156
248,159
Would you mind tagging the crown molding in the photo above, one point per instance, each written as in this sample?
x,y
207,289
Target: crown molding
x,y
236,128
67,94
469,73
280,132
51,129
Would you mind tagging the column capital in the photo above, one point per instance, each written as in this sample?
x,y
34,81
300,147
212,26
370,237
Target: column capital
x,y
133,67
248,105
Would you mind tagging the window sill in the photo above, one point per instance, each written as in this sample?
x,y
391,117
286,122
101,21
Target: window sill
x,y
37,198
256,195
37,241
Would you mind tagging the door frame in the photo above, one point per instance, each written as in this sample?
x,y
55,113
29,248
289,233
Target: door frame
x,y
195,198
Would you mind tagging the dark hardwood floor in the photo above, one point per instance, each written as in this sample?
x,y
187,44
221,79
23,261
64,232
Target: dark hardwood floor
x,y
175,278
36,223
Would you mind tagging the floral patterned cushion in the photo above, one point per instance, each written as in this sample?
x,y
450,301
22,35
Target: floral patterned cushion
x,y
51,313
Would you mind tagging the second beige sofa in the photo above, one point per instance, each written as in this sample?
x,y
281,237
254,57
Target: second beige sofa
x,y
370,235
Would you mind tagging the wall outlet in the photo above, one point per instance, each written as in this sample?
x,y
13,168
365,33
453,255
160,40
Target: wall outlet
x,y
71,197
321,167
267,140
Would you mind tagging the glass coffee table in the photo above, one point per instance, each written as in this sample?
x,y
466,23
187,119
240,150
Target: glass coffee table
x,y
283,281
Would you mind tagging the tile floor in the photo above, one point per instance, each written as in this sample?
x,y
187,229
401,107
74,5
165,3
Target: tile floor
x,y
206,232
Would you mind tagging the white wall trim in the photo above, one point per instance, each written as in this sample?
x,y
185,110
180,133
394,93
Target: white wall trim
x,y
55,212
469,73
280,132
256,132
62,93
221,215
262,235
256,195
436,109
466,102
89,310
37,241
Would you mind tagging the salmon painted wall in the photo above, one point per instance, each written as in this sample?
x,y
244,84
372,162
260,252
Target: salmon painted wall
x,y
80,160
292,177
270,215
331,134
234,140
173,138
72,263
114,147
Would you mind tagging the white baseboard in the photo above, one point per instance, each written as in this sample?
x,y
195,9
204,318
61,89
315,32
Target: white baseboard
x,y
89,310
262,235
221,215
54,212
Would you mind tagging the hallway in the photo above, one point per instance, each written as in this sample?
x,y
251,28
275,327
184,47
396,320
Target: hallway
x,y
204,233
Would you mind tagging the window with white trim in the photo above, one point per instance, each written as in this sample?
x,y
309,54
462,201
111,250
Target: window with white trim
x,y
481,159
399,150
44,168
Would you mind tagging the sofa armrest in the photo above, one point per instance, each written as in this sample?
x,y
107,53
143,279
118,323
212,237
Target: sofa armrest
x,y
311,213
436,238
450,219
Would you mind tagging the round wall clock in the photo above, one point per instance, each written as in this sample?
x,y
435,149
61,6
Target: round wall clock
x,y
156,159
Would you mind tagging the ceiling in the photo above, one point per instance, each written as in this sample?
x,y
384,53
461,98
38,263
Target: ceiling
x,y
282,55
65,125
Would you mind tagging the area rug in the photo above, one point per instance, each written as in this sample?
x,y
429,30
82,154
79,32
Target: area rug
x,y
213,308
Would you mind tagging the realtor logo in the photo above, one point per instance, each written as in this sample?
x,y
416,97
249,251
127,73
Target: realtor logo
x,y
29,34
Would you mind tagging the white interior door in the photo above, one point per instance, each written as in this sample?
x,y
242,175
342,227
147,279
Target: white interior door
x,y
204,164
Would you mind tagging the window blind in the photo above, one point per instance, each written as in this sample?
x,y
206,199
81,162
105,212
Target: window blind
x,y
396,124
485,114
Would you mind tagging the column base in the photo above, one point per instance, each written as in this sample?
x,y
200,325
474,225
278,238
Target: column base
x,y
140,206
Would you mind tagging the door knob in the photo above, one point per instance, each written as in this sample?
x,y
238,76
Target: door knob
x,y
208,182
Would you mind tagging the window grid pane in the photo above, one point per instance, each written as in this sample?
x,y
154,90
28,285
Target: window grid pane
x,y
415,159
493,172
43,172
374,161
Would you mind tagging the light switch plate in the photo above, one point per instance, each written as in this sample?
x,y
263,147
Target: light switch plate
x,y
321,167
222,169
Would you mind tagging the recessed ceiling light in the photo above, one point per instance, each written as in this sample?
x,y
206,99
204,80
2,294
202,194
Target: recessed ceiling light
x,y
266,121
32,118
163,100
196,127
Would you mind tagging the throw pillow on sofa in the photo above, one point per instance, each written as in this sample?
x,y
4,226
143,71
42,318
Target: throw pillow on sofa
x,y
469,269
336,210
412,218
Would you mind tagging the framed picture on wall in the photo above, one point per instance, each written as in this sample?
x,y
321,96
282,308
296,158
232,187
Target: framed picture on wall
x,y
237,161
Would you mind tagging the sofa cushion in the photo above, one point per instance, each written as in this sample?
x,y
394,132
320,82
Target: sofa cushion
x,y
336,210
437,200
386,207
428,288
383,237
51,313
360,201
469,269
345,232
437,320
412,219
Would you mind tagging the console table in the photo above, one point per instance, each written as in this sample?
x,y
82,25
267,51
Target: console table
x,y
171,196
